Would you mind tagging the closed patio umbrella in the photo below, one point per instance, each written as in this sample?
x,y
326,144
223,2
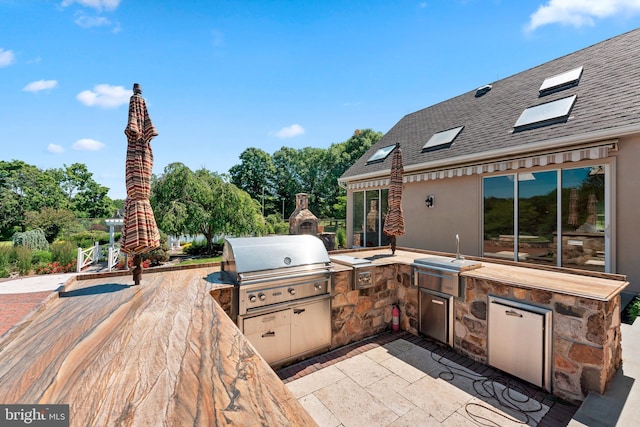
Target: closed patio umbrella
x,y
394,222
573,208
139,231
592,209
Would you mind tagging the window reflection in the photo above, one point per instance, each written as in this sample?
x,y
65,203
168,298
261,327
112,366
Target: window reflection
x,y
369,213
358,218
582,207
499,195
537,217
583,218
373,218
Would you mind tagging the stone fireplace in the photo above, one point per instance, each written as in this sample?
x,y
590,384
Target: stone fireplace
x,y
302,220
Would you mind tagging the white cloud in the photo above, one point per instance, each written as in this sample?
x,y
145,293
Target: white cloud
x,y
290,131
6,58
39,85
87,144
579,13
85,21
105,96
95,4
55,148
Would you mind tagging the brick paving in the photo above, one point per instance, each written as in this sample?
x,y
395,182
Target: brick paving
x,y
560,412
15,307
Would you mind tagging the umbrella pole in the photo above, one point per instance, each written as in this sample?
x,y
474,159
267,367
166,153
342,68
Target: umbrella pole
x,y
393,245
137,269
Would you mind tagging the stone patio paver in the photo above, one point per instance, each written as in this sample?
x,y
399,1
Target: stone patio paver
x,y
421,384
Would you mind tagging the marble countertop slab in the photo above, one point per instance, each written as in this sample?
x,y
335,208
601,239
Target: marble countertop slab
x,y
159,354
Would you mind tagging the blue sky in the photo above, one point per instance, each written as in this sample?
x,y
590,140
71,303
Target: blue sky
x,y
222,76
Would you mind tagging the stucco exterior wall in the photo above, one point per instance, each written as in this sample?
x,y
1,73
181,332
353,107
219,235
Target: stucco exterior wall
x,y
627,212
456,210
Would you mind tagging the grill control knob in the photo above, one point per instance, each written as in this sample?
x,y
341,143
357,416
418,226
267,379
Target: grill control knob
x,y
291,291
252,298
262,296
318,286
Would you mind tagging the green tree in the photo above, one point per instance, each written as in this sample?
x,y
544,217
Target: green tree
x,y
339,157
93,202
84,195
51,220
254,174
289,171
288,179
24,188
202,202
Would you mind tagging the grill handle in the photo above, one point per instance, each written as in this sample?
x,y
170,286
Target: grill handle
x,y
269,334
267,277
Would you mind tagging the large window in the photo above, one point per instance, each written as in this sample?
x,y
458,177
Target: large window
x,y
369,211
537,216
583,218
527,219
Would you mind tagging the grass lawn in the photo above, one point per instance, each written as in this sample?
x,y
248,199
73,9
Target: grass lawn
x,y
200,261
6,243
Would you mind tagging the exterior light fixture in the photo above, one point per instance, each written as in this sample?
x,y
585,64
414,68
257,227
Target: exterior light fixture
x,y
430,201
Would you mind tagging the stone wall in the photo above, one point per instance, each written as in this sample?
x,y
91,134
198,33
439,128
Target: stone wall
x,y
361,313
586,334
224,298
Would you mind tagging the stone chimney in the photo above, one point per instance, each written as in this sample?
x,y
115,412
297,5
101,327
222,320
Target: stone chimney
x,y
302,221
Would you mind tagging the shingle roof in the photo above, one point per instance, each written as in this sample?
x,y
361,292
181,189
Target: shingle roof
x,y
608,97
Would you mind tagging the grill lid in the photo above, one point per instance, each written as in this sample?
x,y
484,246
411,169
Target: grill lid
x,y
251,254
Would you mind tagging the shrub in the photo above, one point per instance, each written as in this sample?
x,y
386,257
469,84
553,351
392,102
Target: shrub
x,y
341,237
146,263
161,254
32,239
64,252
55,267
24,256
5,255
86,239
196,248
41,257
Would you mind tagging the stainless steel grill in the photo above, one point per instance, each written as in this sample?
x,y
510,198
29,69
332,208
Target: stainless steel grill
x,y
283,291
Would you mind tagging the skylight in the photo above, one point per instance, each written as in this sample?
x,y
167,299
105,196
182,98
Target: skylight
x,y
381,154
561,81
442,138
544,114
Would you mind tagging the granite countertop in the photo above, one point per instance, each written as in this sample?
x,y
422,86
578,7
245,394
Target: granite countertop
x,y
159,354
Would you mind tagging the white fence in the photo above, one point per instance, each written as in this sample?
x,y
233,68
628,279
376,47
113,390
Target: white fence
x,y
98,253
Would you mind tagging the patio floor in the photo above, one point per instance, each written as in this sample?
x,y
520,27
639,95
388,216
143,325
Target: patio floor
x,y
398,379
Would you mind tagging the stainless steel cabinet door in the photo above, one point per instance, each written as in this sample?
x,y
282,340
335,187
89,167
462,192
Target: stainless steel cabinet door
x,y
434,315
270,335
516,342
311,326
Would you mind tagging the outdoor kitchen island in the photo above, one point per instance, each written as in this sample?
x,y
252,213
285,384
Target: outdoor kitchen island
x,y
584,341
165,353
